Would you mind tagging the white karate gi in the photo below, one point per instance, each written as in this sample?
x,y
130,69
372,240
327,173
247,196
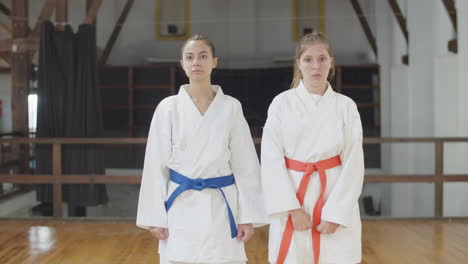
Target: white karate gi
x,y
215,144
302,129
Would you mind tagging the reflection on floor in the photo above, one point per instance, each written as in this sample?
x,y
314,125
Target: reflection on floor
x,y
384,242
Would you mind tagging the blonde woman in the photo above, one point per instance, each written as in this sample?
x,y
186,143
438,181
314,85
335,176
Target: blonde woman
x,y
312,165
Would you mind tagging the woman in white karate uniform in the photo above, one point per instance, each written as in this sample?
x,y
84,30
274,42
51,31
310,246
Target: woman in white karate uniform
x,y
200,192
312,165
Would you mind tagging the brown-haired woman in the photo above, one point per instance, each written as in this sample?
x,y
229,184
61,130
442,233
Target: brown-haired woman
x,y
200,192
312,165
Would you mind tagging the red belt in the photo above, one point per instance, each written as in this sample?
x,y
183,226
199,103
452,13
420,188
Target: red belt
x,y
308,169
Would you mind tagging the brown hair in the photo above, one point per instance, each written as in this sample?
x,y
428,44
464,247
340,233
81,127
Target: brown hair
x,y
207,41
307,40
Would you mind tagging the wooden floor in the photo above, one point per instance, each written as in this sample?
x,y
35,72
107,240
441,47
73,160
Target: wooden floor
x,y
412,242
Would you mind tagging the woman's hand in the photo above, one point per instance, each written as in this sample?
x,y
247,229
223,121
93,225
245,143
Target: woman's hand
x,y
327,227
160,233
245,232
300,219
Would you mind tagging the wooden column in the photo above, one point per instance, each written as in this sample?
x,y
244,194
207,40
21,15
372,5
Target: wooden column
x,y
20,66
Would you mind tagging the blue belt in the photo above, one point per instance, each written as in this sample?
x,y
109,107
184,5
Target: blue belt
x,y
186,183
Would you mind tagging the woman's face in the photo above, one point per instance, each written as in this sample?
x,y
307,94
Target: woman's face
x,y
197,60
315,64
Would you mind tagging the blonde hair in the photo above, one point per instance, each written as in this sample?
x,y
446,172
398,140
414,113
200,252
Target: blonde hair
x,y
201,37
307,40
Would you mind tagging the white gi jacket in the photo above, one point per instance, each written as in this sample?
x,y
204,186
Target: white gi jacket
x,y
213,145
303,130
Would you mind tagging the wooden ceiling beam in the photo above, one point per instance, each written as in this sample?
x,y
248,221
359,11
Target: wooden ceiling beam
x,y
21,45
6,29
18,45
46,14
92,12
365,25
89,4
399,17
452,12
6,56
5,45
403,26
115,33
5,10
61,13
452,45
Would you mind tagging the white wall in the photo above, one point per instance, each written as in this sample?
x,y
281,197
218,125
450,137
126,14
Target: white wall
x,y
422,100
412,108
384,24
246,33
447,118
346,34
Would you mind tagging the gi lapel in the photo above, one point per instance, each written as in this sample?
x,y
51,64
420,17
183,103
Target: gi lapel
x,y
198,124
315,114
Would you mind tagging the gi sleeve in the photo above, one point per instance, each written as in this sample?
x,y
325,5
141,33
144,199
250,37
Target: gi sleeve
x,y
246,170
153,190
343,198
280,196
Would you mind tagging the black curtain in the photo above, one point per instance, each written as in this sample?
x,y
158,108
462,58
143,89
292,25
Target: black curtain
x,y
69,105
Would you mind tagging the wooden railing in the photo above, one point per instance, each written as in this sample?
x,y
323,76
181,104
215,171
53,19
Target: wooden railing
x,y
438,178
10,162
57,178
